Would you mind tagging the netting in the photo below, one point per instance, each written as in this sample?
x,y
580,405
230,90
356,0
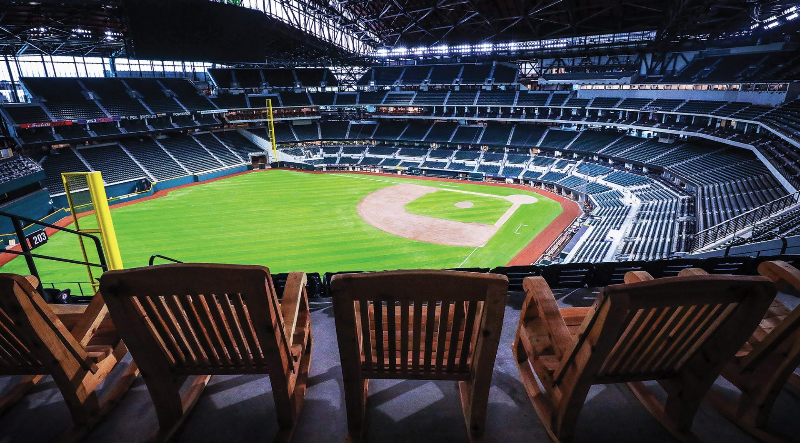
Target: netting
x,y
76,187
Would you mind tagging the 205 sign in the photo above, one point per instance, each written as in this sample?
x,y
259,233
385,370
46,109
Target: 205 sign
x,y
37,238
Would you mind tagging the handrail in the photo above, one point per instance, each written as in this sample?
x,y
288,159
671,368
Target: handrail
x,y
26,251
155,256
744,220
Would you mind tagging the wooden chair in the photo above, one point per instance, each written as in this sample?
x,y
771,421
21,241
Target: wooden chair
x,y
421,325
182,320
78,352
766,363
680,331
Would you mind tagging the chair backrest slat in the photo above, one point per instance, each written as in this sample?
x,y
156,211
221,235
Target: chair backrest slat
x,y
456,339
655,328
246,327
469,336
202,333
439,312
377,321
430,326
404,335
201,317
416,337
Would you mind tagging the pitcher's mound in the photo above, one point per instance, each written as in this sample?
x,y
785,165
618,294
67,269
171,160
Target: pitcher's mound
x,y
521,199
464,205
385,209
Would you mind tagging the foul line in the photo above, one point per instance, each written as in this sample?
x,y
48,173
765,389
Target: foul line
x,y
470,255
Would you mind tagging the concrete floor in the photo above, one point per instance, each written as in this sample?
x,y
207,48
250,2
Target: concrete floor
x,y
240,408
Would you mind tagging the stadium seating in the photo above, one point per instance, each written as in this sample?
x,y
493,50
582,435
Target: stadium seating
x,y
115,164
160,164
556,139
415,131
16,167
238,144
527,135
218,150
441,132
64,98
306,131
230,101
593,141
333,130
496,134
445,74
26,113
153,95
461,98
187,94
361,131
58,162
497,98
190,154
432,98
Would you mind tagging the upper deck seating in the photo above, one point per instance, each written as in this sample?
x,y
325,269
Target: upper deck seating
x,y
65,98
153,95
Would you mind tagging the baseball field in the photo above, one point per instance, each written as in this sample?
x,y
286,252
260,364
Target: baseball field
x,y
296,221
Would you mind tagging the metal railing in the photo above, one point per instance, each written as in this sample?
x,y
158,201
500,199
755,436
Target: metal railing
x,y
89,292
155,256
26,251
742,221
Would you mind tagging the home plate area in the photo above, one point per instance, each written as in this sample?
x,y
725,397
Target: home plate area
x,y
385,209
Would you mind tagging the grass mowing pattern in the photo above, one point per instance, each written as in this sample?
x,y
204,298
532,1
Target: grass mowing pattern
x,y
441,204
288,221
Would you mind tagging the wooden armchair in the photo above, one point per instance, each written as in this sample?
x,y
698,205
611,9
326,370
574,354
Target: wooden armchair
x,y
34,342
680,331
766,363
198,320
422,325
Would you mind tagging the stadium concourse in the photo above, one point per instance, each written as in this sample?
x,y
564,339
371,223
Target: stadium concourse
x,y
352,217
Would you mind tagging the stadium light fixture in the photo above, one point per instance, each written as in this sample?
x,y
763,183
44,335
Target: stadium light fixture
x,y
535,45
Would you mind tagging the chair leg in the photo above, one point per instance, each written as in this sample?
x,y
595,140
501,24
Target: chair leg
x,y
355,396
18,391
794,382
107,404
540,400
658,411
172,408
728,410
289,404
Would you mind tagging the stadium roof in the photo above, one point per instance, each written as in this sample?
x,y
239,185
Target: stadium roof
x,y
430,22
308,30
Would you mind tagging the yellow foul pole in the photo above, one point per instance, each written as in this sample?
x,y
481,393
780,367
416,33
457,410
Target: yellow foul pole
x,y
272,131
97,191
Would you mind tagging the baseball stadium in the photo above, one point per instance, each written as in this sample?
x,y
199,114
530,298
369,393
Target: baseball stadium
x,y
510,221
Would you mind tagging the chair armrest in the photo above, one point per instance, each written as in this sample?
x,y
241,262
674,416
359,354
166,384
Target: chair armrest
x,y
688,272
782,273
541,304
32,280
637,276
92,317
293,294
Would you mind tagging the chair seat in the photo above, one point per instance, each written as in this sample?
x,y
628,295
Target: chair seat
x,y
99,352
776,313
538,341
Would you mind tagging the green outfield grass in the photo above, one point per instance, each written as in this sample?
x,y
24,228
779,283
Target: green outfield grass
x,y
293,221
441,204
